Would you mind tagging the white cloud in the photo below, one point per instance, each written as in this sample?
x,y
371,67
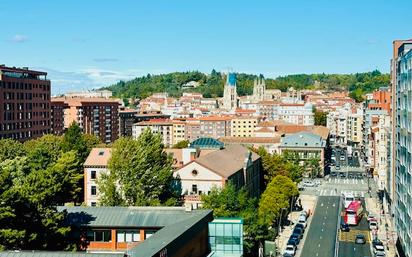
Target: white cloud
x,y
19,38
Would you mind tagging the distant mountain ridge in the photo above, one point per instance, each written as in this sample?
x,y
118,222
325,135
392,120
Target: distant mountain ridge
x,y
211,85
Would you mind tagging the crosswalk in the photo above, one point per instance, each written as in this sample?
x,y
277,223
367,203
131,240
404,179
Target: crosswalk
x,y
333,192
352,181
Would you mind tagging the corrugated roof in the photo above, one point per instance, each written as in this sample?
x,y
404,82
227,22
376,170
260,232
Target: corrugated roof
x,y
98,157
227,161
126,216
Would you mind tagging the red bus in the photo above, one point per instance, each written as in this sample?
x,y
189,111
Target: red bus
x,y
353,213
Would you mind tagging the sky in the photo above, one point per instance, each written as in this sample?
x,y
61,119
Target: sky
x,y
94,43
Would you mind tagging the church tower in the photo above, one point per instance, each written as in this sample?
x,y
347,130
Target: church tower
x,y
259,88
229,93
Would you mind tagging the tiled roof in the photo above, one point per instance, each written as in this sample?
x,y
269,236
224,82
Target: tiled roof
x,y
228,161
251,140
215,118
98,157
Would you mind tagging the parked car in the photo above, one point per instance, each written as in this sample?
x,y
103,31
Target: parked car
x,y
379,249
342,158
287,255
337,167
302,218
298,231
303,222
376,241
290,249
373,225
371,217
308,184
293,241
301,226
295,237
360,239
344,226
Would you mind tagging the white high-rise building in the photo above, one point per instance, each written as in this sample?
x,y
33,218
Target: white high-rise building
x,y
403,146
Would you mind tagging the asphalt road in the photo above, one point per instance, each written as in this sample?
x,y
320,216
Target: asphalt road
x,y
347,246
320,240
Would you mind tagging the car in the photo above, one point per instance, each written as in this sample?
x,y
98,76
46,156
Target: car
x,y
293,241
360,239
333,174
295,237
290,249
287,255
380,254
337,167
318,182
359,176
376,241
342,158
298,231
373,225
342,175
308,184
350,176
303,222
344,226
379,248
371,217
302,218
301,226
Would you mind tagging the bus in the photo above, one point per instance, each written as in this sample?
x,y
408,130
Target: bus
x,y
353,213
347,199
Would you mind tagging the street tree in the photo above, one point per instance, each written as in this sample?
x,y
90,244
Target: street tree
x,y
140,172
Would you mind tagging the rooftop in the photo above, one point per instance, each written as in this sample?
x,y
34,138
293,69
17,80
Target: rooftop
x,y
206,143
24,70
98,157
227,161
302,139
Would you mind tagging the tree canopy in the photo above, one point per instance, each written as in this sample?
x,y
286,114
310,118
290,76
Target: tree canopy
x,y
140,173
211,85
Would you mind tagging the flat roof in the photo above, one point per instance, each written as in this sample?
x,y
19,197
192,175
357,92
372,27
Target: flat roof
x,y
21,70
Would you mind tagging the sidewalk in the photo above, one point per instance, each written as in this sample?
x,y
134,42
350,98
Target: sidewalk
x,y
386,231
308,203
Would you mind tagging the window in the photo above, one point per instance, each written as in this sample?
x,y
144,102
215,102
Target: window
x,y
194,172
99,236
93,174
93,190
194,189
101,153
128,236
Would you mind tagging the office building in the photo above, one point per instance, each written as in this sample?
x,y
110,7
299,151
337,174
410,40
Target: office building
x,y
403,146
25,103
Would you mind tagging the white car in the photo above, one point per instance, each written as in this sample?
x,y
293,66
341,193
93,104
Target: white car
x,y
373,225
342,158
379,250
308,184
290,249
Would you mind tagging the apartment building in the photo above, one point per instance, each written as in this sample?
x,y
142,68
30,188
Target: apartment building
x,y
179,131
127,117
215,126
243,126
96,164
25,103
161,126
95,116
354,127
296,113
403,139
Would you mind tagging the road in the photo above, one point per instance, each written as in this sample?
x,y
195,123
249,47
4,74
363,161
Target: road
x,y
347,246
320,240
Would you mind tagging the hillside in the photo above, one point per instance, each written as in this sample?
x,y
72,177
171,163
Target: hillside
x,y
211,85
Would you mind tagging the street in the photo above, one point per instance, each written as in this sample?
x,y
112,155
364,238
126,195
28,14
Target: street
x,y
347,245
320,240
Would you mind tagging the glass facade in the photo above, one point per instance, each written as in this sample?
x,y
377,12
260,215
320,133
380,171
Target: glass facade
x,y
403,164
226,237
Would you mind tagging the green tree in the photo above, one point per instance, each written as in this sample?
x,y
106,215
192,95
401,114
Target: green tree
x,y
44,151
312,167
9,149
182,144
320,117
276,197
142,171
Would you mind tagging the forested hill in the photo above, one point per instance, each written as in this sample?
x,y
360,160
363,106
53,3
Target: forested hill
x,y
211,85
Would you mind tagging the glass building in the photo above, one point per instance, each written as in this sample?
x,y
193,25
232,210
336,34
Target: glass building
x,y
226,237
403,162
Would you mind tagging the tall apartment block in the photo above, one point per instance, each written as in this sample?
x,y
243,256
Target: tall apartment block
x,y
403,146
25,103
96,116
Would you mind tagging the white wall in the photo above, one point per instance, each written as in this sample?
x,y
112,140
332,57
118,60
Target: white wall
x,y
88,198
205,179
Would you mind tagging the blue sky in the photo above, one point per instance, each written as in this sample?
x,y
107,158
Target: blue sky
x,y
88,44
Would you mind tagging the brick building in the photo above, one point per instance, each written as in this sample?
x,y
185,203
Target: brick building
x,y
25,103
96,116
